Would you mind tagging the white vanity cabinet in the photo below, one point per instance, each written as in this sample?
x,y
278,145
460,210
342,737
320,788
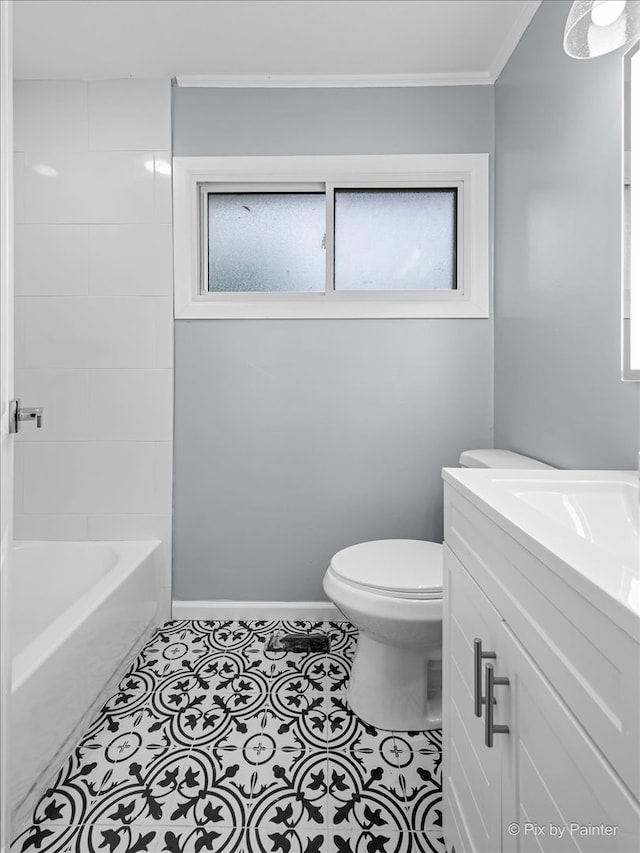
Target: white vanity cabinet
x,y
565,776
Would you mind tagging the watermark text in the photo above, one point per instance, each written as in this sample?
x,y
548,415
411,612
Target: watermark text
x,y
560,830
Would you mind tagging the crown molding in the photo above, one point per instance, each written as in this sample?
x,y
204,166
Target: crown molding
x,y
328,81
513,37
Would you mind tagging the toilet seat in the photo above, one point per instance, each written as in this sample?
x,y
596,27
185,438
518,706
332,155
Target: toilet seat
x,y
397,568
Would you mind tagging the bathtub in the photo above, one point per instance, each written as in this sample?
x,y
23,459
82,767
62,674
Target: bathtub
x,y
77,610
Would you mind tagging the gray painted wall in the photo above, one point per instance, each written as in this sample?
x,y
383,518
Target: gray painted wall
x,y
447,119
294,439
558,395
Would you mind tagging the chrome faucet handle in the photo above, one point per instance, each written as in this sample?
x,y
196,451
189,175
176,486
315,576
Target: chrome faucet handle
x,y
17,414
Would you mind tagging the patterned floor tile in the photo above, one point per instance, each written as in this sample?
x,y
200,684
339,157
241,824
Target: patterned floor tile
x,y
198,839
114,745
297,719
377,839
365,793
177,626
428,842
179,703
212,743
247,638
423,769
343,629
338,670
420,742
305,626
271,838
290,790
126,700
138,794
181,647
207,788
277,663
348,732
301,679
421,784
137,682
116,838
71,795
56,838
227,721
263,627
240,672
231,636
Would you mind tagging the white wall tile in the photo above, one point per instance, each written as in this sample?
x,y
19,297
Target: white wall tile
x,y
135,527
97,478
163,476
51,115
114,186
134,405
122,187
51,260
18,478
57,186
56,477
7,488
164,332
19,206
131,478
53,527
64,394
130,260
77,332
163,211
133,115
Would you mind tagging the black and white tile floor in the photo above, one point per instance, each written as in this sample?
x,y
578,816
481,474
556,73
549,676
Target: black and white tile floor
x,y
212,743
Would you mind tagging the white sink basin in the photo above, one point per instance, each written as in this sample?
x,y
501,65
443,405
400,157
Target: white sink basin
x,y
588,520
604,512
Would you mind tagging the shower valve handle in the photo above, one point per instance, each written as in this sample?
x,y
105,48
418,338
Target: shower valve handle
x,y
17,414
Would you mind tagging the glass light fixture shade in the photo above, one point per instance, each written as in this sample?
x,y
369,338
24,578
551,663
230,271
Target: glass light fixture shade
x,y
596,27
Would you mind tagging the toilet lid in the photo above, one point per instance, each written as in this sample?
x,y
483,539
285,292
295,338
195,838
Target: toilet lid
x,y
393,566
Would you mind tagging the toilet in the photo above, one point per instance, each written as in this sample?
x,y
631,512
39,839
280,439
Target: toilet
x,y
391,590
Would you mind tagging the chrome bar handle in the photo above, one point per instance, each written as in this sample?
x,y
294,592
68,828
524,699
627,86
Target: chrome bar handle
x,y
478,656
489,728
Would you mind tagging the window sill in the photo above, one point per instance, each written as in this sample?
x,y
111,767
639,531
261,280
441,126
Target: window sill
x,y
318,307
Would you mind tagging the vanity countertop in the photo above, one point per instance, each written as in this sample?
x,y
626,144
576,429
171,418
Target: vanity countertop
x,y
582,524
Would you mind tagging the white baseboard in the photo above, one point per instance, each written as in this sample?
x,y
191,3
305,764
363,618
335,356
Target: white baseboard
x,y
317,611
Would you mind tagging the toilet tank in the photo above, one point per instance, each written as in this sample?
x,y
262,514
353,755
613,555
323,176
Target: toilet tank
x,y
498,459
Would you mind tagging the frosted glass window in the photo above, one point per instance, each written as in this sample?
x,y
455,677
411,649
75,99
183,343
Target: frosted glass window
x,y
395,239
266,242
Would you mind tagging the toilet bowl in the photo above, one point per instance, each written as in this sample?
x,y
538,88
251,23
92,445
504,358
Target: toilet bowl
x,y
391,590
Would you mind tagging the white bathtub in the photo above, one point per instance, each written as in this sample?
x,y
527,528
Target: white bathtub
x,y
76,611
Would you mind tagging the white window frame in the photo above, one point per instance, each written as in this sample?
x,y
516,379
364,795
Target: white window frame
x,y
469,173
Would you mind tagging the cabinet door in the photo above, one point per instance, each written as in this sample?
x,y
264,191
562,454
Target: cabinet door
x,y
471,772
558,791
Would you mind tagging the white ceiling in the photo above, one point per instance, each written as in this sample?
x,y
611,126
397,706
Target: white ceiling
x,y
410,41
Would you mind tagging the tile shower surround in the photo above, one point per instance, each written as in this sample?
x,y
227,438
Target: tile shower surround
x,y
212,743
94,311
